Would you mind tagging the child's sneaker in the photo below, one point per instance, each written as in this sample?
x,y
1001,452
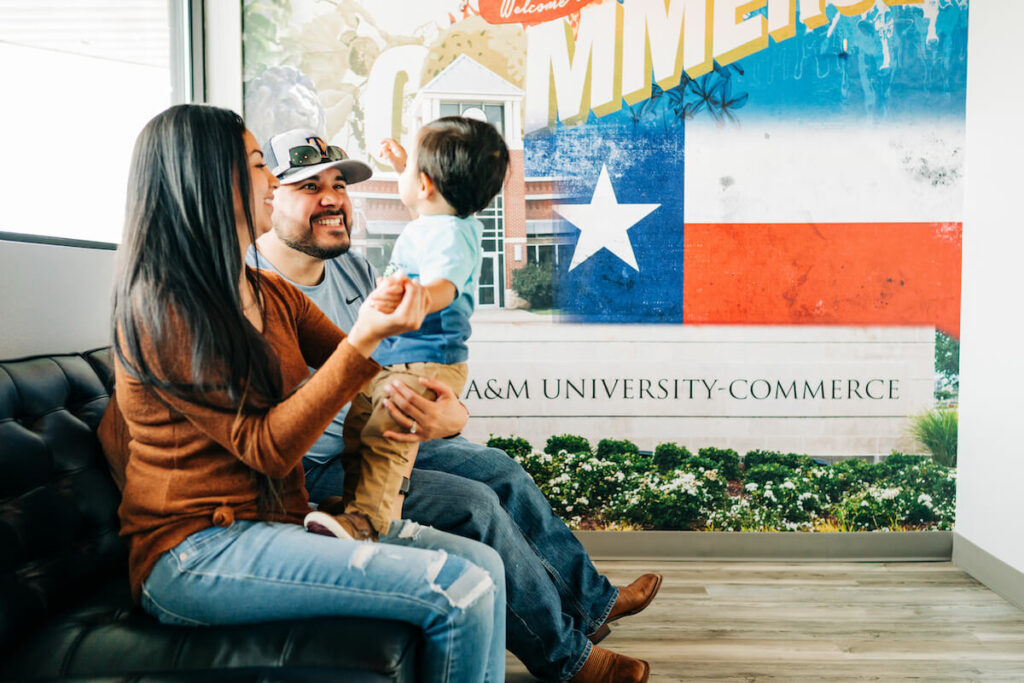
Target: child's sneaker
x,y
343,525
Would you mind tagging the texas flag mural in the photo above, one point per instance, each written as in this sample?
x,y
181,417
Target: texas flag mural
x,y
735,162
710,205
795,163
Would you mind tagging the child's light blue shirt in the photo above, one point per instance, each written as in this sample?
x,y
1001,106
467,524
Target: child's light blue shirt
x,y
432,248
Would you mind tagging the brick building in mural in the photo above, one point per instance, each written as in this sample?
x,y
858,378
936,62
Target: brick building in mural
x,y
519,225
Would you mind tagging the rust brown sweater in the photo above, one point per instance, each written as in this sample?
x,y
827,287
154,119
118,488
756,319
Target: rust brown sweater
x,y
189,466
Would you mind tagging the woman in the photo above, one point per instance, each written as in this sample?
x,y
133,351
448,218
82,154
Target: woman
x,y
212,379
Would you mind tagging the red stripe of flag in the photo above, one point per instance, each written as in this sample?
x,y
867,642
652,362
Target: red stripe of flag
x,y
823,274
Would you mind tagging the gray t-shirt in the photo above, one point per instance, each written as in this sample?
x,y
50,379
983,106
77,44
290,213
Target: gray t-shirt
x,y
348,279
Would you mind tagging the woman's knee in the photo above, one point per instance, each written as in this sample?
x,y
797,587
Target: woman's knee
x,y
468,580
488,559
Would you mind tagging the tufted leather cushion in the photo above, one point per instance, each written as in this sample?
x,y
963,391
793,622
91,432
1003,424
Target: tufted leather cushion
x,y
58,505
65,608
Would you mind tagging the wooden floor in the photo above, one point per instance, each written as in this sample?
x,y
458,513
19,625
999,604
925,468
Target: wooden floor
x,y
747,621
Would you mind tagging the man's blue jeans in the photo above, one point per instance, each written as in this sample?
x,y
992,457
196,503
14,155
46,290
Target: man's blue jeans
x,y
555,594
258,571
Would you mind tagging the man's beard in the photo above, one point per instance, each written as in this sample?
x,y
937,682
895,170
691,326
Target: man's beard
x,y
307,244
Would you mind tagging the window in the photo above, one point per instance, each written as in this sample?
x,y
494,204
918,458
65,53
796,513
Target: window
x,y
80,80
494,113
491,286
541,254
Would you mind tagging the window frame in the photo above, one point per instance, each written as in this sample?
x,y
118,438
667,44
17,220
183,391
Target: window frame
x,y
188,85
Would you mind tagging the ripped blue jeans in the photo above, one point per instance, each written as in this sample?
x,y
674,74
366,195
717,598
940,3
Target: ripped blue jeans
x,y
451,587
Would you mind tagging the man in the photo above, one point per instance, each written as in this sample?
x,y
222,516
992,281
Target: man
x,y
556,597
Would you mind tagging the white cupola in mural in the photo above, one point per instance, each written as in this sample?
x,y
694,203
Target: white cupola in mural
x,y
467,88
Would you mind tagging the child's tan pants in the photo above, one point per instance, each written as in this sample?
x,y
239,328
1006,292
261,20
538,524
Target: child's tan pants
x,y
374,465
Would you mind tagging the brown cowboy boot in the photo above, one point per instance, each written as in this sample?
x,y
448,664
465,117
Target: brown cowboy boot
x,y
632,599
605,666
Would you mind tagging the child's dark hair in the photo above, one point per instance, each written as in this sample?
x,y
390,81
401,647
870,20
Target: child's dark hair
x,y
466,159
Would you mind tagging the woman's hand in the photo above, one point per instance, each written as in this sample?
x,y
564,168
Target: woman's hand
x,y
373,325
386,297
435,419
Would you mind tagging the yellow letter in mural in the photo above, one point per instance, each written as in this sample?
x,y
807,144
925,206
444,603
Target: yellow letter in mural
x,y
781,19
668,36
734,36
812,13
554,76
852,8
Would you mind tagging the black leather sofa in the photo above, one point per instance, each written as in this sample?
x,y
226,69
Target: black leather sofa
x,y
65,608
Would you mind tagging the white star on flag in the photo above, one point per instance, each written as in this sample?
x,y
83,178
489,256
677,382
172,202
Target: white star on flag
x,y
603,223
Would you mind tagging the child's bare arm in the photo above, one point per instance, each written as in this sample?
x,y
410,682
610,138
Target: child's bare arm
x,y
442,293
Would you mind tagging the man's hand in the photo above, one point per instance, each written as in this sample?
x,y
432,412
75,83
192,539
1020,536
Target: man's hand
x,y
393,153
435,419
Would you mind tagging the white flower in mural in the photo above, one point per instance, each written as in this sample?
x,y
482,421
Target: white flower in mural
x,y
887,494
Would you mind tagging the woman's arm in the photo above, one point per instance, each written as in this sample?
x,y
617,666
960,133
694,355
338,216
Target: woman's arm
x,y
273,441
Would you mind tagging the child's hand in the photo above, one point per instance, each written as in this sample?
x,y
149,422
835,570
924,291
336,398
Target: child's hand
x,y
393,153
389,292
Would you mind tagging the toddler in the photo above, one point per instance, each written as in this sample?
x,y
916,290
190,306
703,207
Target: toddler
x,y
454,170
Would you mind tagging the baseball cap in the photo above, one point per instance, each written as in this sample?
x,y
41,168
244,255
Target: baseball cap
x,y
298,154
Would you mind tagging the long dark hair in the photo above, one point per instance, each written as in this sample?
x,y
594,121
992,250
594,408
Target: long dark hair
x,y
176,300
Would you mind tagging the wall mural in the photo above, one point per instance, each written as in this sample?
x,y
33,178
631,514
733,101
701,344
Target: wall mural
x,y
729,224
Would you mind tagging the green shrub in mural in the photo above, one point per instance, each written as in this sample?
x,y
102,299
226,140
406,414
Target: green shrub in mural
x,y
577,485
669,456
514,446
762,474
623,488
567,443
789,460
937,431
842,478
727,460
610,448
534,283
677,501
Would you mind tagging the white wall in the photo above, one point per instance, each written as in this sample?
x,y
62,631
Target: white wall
x,y
53,299
991,450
